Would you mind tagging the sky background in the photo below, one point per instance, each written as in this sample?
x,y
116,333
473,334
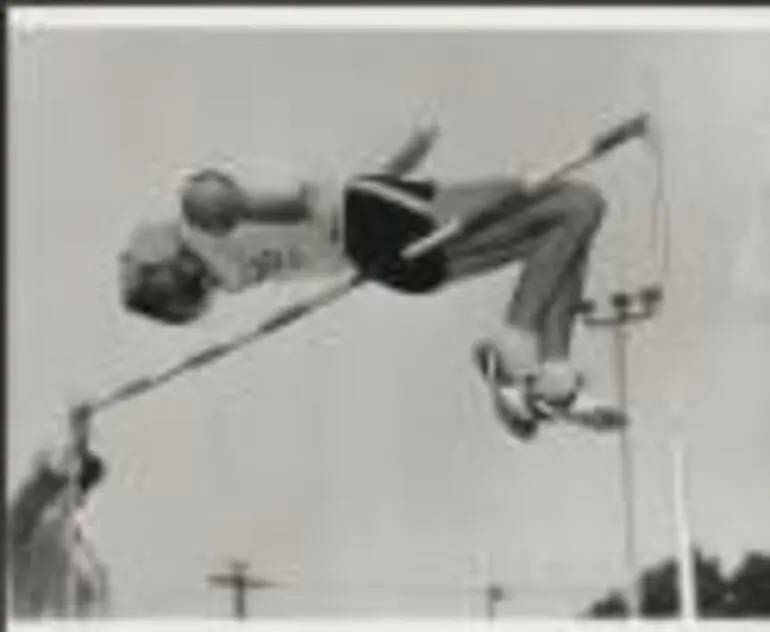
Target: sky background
x,y
357,449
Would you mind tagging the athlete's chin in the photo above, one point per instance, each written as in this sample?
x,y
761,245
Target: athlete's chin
x,y
173,315
179,319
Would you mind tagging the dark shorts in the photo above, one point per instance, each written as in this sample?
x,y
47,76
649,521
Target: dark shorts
x,y
382,216
385,214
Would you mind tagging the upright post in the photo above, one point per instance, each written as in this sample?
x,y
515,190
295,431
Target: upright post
x,y
687,574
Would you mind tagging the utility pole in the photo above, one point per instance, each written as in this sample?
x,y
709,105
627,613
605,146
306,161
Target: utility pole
x,y
624,309
240,583
494,593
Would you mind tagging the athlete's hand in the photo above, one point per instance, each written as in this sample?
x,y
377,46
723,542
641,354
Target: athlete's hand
x,y
425,136
413,152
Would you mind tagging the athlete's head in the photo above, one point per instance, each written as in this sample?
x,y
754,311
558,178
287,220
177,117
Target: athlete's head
x,y
161,278
211,201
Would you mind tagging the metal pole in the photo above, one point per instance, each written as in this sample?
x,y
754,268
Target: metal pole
x,y
490,605
626,308
239,598
493,594
620,335
687,574
238,585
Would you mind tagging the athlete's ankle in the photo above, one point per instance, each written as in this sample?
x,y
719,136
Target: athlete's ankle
x,y
518,349
557,380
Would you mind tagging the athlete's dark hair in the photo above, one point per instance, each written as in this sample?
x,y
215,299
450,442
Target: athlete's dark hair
x,y
177,303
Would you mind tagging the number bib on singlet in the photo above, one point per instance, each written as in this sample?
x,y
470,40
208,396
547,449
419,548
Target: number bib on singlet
x,y
254,253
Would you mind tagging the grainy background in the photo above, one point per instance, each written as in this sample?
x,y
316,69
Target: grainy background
x,y
358,447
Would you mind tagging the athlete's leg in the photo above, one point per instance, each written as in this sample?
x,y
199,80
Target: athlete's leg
x,y
551,234
568,217
556,342
558,379
531,229
548,234
545,230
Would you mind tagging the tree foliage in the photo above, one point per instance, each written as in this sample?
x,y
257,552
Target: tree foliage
x,y
743,593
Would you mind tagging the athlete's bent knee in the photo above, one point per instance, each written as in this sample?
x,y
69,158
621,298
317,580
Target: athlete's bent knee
x,y
586,203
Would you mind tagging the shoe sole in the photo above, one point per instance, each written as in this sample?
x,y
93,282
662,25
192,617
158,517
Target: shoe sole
x,y
482,354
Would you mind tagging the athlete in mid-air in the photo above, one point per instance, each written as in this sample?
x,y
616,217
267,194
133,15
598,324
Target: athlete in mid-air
x,y
231,238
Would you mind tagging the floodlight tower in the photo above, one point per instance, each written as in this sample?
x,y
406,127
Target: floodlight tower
x,y
623,309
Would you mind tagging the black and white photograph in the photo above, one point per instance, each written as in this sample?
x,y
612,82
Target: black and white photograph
x,y
379,320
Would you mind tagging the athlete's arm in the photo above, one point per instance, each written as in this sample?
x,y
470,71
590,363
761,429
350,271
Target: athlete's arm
x,y
279,207
215,202
412,153
291,206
